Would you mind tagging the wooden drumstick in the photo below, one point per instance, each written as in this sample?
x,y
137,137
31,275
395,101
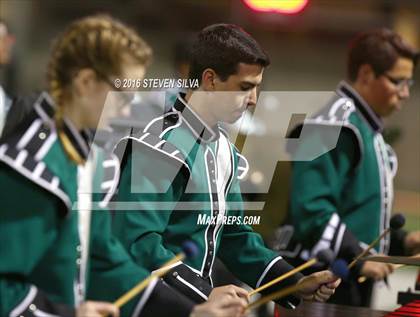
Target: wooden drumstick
x,y
397,222
370,247
339,268
189,250
412,260
277,295
325,256
363,279
408,261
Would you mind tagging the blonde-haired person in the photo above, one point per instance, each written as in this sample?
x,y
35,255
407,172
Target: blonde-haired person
x,y
6,44
58,257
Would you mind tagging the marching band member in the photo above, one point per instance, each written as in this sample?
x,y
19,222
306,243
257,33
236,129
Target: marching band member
x,y
342,200
182,159
59,257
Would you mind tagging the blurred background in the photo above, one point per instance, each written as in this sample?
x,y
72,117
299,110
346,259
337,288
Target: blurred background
x,y
307,46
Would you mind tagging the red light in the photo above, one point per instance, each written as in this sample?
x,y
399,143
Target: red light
x,y
277,6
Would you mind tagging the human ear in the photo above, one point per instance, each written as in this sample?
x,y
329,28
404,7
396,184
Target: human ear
x,y
208,79
365,74
84,82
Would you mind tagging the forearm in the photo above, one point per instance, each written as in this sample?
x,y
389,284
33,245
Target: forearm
x,y
189,283
278,267
163,299
21,299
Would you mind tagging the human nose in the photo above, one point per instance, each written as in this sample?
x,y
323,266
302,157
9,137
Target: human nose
x,y
252,98
404,91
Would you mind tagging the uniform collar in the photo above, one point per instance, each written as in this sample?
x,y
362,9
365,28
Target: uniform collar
x,y
80,140
200,129
346,90
76,143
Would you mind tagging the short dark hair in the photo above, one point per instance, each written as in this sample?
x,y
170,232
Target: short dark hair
x,y
222,47
379,48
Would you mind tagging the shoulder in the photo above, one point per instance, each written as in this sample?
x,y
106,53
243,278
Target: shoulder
x,y
161,125
23,196
19,110
25,149
336,113
151,144
330,126
37,131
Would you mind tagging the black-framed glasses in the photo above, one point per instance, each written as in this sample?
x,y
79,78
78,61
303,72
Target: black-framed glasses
x,y
400,83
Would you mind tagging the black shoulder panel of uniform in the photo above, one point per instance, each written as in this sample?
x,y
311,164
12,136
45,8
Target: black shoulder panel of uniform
x,y
18,113
150,142
151,138
24,150
335,114
160,125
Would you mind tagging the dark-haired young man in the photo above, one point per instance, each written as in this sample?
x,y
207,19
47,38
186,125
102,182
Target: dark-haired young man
x,y
342,200
182,168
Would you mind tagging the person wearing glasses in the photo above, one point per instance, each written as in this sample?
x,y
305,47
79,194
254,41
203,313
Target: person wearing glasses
x,y
343,199
58,256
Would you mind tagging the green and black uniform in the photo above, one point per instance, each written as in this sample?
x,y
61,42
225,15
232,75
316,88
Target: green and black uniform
x,y
342,200
57,249
175,172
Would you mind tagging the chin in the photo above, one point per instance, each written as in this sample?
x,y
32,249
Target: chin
x,y
395,107
233,120
389,112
